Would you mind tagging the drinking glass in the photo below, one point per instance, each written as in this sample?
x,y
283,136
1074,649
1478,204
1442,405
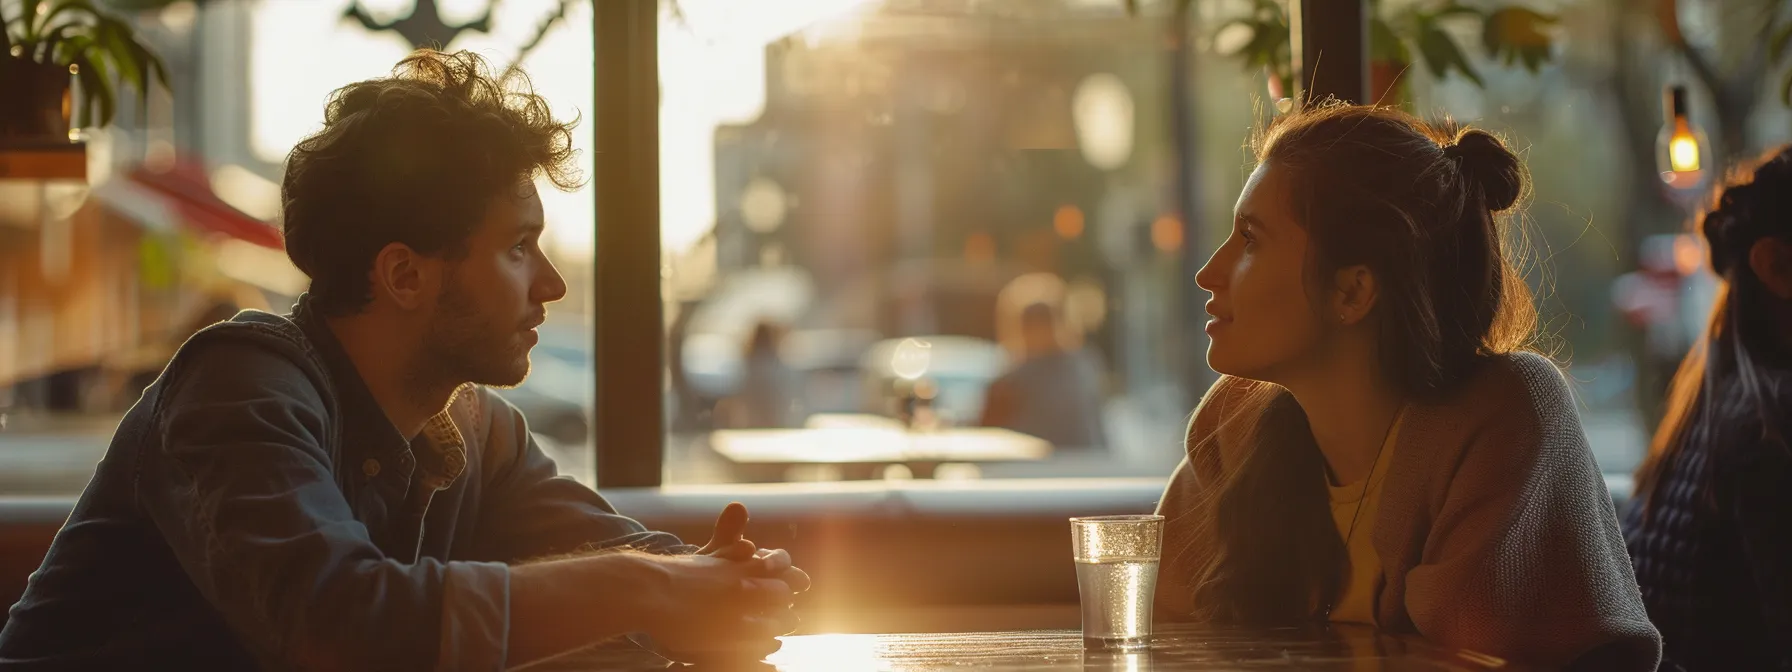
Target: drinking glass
x,y
1116,577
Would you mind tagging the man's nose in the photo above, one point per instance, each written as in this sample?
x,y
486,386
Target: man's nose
x,y
550,286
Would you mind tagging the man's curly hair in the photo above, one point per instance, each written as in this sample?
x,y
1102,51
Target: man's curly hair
x,y
414,158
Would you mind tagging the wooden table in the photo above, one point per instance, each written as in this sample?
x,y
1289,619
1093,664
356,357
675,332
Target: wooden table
x,y
1175,649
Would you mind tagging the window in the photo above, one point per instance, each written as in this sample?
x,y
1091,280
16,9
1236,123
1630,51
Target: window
x,y
99,283
855,195
871,212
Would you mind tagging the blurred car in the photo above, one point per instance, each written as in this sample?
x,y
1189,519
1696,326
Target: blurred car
x,y
960,368
556,397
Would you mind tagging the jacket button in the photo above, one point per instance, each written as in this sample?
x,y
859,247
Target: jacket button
x,y
371,467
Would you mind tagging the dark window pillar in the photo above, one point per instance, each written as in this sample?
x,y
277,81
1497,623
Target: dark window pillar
x,y
1331,48
629,348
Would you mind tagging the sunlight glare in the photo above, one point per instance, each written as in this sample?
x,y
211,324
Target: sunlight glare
x,y
829,653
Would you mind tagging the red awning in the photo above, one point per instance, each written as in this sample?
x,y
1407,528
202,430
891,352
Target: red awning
x,y
188,191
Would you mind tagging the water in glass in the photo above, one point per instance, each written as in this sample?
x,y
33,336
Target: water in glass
x,y
1116,571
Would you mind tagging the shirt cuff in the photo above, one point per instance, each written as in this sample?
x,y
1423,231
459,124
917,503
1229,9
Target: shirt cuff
x,y
475,617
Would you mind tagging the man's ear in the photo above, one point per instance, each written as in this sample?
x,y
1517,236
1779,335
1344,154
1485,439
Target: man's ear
x,y
405,277
1354,293
1771,260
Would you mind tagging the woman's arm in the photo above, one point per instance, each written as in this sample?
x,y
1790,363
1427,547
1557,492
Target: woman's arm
x,y
1763,510
1524,559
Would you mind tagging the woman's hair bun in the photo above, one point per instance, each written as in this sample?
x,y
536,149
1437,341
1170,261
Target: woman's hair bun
x,y
1756,201
1486,164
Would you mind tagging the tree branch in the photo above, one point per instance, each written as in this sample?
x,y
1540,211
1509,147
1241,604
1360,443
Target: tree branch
x,y
541,31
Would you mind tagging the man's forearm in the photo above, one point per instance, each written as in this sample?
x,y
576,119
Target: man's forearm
x,y
566,604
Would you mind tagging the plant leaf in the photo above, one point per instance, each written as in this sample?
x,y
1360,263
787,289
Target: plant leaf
x,y
1442,55
1385,44
1513,34
1781,38
107,93
84,107
5,42
47,43
149,67
155,66
1267,46
1456,9
69,49
48,18
96,90
1786,89
114,39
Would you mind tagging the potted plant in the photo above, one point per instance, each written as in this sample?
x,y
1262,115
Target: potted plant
x,y
49,42
1510,33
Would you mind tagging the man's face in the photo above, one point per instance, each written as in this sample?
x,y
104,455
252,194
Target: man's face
x,y
491,301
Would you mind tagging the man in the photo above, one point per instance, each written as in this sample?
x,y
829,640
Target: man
x,y
1052,390
335,489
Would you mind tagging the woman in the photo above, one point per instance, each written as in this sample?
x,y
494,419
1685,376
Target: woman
x,y
1377,451
1710,529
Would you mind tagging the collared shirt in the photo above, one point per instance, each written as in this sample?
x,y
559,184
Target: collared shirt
x,y
256,509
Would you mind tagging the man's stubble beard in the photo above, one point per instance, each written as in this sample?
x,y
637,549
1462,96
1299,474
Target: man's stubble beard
x,y
461,346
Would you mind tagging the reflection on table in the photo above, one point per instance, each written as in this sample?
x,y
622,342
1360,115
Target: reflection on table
x,y
1175,649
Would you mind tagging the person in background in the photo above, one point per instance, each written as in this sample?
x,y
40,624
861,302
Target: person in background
x,y
337,489
1053,387
1710,527
1380,449
767,385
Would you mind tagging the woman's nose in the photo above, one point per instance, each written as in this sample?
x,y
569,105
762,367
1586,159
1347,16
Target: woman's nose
x,y
1214,273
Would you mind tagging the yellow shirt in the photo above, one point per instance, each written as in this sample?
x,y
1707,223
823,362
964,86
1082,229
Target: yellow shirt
x,y
1362,579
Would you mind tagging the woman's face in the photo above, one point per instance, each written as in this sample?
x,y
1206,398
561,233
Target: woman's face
x,y
1264,322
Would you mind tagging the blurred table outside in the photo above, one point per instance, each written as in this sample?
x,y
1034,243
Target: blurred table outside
x,y
864,445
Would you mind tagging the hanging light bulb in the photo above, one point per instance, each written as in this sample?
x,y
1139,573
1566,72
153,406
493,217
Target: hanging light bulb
x,y
1681,151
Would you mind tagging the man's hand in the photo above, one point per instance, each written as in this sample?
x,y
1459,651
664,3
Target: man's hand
x,y
714,608
729,538
729,541
706,620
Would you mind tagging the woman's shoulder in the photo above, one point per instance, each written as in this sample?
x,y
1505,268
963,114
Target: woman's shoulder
x,y
1228,408
1514,386
1516,404
1521,373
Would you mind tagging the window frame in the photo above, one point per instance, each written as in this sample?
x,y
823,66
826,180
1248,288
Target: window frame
x,y
628,352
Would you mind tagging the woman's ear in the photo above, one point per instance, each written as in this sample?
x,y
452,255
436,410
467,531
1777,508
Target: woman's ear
x,y
1771,260
1354,293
